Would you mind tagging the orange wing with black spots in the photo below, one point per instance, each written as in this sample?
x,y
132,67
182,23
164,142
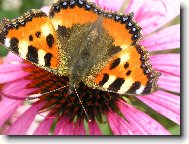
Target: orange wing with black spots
x,y
66,13
32,37
61,43
129,72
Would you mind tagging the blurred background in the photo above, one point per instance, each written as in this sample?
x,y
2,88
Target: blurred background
x,y
15,8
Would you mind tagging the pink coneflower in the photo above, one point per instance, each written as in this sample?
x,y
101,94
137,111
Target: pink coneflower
x,y
59,113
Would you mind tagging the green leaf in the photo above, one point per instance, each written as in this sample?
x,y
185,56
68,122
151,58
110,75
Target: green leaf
x,y
3,51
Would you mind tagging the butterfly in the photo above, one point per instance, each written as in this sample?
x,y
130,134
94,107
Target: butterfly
x,y
82,41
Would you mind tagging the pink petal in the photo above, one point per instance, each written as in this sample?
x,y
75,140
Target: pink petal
x,y
79,128
11,76
119,126
134,6
165,103
46,9
167,63
141,121
111,5
10,58
44,126
166,59
69,128
168,38
169,82
94,129
5,68
22,124
153,14
17,87
59,125
8,107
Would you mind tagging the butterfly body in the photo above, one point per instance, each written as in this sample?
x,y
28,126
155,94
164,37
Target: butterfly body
x,y
85,43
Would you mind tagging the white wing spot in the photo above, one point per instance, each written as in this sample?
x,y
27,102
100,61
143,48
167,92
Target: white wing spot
x,y
126,85
125,58
23,49
111,79
140,90
41,55
46,30
7,42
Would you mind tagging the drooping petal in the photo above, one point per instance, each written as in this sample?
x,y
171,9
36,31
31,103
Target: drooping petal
x,y
59,125
79,128
94,129
153,14
165,103
67,128
11,76
168,38
70,128
167,63
17,88
8,107
111,5
141,121
44,126
22,124
119,126
169,82
6,68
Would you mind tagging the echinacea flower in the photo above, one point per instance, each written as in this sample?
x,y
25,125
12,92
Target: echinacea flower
x,y
62,114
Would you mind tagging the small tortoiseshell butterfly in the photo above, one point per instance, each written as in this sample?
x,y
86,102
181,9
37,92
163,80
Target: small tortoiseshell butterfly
x,y
90,45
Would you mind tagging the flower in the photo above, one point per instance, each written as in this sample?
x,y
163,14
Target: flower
x,y
59,113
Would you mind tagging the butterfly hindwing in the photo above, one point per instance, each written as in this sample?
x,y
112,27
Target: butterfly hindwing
x,y
129,72
33,38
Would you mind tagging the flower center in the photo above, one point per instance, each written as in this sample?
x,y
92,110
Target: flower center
x,y
61,103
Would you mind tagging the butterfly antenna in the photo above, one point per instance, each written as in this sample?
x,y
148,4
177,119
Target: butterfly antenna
x,y
31,97
87,116
35,96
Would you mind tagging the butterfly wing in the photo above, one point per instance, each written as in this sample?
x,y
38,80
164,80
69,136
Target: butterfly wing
x,y
129,72
70,19
33,38
124,68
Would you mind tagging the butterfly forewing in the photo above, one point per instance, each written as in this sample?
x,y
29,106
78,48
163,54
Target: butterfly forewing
x,y
33,38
